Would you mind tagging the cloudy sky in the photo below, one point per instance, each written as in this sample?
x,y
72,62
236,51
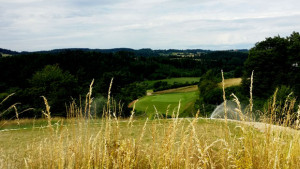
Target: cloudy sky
x,y
31,25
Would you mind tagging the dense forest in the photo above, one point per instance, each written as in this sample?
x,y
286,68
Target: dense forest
x,y
64,75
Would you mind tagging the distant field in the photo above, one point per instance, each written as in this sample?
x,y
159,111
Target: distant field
x,y
192,88
177,80
231,82
168,100
228,82
5,55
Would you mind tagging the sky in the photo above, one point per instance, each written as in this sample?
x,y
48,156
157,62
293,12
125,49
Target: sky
x,y
32,25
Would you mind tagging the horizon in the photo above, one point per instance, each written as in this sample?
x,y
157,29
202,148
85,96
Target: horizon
x,y
216,50
41,25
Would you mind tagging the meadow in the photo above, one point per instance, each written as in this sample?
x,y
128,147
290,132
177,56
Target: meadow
x,y
84,141
165,101
113,142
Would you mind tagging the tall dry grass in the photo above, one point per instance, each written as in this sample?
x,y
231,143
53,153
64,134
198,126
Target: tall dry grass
x,y
112,142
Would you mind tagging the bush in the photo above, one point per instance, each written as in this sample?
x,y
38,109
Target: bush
x,y
214,96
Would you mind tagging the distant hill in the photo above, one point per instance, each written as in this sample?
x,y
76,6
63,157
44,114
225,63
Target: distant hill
x,y
6,52
146,52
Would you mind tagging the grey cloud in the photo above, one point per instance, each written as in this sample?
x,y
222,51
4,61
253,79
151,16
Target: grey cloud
x,y
43,24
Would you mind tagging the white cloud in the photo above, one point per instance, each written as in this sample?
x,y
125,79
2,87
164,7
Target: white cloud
x,y
216,24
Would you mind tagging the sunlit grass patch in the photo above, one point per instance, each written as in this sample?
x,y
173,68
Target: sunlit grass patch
x,y
231,82
168,102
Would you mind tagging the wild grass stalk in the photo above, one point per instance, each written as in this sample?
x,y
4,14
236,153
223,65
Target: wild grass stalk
x,y
251,96
17,115
298,118
113,142
238,109
273,108
47,113
224,97
7,97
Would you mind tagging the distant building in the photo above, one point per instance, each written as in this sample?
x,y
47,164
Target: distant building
x,y
295,65
149,92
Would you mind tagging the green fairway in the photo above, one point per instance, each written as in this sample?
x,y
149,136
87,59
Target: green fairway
x,y
180,80
168,101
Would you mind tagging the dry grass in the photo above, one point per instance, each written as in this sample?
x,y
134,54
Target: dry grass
x,y
159,143
112,142
231,82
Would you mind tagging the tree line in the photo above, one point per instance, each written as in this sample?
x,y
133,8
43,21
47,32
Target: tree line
x,y
276,65
65,75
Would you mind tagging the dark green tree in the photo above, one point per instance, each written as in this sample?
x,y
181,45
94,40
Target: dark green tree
x,y
275,62
294,60
56,85
210,94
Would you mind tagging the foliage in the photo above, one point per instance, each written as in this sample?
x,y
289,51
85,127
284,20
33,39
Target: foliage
x,y
170,83
231,62
125,65
209,93
55,84
275,62
281,107
210,89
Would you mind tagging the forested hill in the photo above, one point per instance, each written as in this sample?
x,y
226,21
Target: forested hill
x,y
7,52
147,52
64,74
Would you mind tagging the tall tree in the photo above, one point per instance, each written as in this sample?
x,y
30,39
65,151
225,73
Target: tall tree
x,y
274,62
55,84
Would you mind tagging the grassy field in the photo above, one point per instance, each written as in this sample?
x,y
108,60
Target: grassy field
x,y
113,142
5,55
161,101
25,124
228,82
181,80
168,101
143,143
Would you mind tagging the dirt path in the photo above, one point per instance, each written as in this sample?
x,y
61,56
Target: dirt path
x,y
178,90
130,105
264,126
